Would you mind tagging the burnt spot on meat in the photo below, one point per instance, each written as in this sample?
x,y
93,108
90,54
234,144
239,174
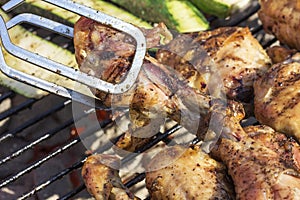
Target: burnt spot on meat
x,y
244,94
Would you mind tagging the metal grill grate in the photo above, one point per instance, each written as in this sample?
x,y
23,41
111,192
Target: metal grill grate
x,y
23,133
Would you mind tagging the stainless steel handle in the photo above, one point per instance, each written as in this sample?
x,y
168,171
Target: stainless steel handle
x,y
63,70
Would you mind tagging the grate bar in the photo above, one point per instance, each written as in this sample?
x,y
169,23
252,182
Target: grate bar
x,y
256,29
52,179
241,17
66,171
43,138
140,177
159,137
5,137
73,193
6,95
130,183
269,43
38,163
17,108
51,155
246,14
34,120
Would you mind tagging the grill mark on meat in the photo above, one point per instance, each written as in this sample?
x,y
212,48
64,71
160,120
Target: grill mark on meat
x,y
233,58
212,43
117,70
210,55
281,84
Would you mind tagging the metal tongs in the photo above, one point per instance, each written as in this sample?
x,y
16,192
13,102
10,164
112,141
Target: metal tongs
x,y
61,69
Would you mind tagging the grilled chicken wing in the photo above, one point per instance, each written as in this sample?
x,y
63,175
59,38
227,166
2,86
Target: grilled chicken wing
x,y
286,147
158,91
277,99
187,173
259,170
237,57
101,176
263,164
282,18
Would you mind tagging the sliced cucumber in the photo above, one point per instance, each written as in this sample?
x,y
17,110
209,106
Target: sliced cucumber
x,y
189,18
219,8
176,14
53,12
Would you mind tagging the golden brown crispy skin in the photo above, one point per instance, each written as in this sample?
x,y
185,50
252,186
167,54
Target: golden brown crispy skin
x,y
282,18
286,147
261,165
277,99
187,173
158,91
237,55
101,176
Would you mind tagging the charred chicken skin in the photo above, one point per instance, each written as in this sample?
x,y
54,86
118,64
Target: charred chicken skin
x,y
180,172
236,55
277,99
264,164
258,170
159,91
200,60
282,18
286,147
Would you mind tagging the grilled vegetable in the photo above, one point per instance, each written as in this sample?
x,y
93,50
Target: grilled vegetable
x,y
59,14
177,14
219,8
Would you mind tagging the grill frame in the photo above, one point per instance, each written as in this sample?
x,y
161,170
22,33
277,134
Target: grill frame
x,y
248,18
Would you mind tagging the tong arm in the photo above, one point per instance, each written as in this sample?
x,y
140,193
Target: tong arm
x,y
32,80
63,70
45,85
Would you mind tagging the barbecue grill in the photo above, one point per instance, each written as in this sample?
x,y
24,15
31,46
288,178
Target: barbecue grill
x,y
41,140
